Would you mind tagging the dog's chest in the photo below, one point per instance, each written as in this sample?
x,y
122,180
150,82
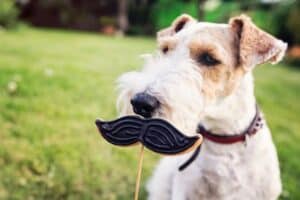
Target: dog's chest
x,y
214,178
228,176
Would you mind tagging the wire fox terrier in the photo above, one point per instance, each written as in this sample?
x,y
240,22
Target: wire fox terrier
x,y
202,75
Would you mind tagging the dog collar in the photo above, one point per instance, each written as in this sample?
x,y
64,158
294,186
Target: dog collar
x,y
255,125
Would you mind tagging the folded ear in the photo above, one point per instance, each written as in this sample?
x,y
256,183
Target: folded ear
x,y
254,45
177,25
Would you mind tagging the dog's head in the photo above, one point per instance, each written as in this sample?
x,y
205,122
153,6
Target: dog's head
x,y
198,66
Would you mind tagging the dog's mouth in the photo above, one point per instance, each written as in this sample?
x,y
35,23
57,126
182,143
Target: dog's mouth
x,y
156,134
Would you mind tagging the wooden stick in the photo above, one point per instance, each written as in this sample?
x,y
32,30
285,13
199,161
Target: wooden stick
x,y
138,177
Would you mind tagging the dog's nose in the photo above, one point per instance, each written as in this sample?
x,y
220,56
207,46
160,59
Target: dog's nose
x,y
144,104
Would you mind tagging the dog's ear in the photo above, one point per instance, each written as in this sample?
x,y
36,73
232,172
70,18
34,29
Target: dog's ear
x,y
177,25
254,45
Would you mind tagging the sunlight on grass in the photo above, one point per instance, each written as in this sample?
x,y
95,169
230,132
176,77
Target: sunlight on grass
x,y
54,84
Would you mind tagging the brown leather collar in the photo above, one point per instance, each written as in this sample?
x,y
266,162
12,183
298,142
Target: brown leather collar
x,y
255,125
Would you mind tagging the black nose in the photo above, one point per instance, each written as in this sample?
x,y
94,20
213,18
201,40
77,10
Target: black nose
x,y
144,104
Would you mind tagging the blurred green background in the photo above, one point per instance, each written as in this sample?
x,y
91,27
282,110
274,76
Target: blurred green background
x,y
59,60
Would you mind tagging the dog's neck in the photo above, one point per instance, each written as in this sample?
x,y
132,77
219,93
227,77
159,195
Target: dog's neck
x,y
234,114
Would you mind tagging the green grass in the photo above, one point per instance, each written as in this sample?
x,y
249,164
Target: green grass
x,y
49,146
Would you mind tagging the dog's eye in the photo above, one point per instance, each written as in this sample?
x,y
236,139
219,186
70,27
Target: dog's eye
x,y
207,59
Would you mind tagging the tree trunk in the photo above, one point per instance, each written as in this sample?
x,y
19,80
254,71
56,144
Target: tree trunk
x,y
122,15
200,4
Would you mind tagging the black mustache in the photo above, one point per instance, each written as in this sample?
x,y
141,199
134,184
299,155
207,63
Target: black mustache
x,y
156,134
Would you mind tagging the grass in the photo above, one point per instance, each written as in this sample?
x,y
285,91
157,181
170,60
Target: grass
x,y
53,84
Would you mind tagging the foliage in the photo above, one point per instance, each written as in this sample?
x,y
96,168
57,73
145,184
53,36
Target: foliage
x,y
53,84
146,17
265,20
280,19
8,13
79,14
139,18
164,12
223,12
274,19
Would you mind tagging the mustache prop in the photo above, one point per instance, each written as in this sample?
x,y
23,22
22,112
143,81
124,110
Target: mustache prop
x,y
157,135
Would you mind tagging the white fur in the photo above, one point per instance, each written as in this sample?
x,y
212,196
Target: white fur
x,y
236,171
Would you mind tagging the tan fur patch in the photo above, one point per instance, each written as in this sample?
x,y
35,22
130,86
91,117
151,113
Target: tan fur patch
x,y
221,79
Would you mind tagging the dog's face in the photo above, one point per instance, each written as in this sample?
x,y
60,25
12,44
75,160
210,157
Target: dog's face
x,y
198,66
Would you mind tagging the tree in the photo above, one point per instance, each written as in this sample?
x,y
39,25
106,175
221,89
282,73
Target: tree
x,y
123,15
200,4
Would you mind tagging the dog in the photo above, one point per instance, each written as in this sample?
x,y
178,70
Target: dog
x,y
201,75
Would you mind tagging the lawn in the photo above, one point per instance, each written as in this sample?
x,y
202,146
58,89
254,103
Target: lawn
x,y
53,84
